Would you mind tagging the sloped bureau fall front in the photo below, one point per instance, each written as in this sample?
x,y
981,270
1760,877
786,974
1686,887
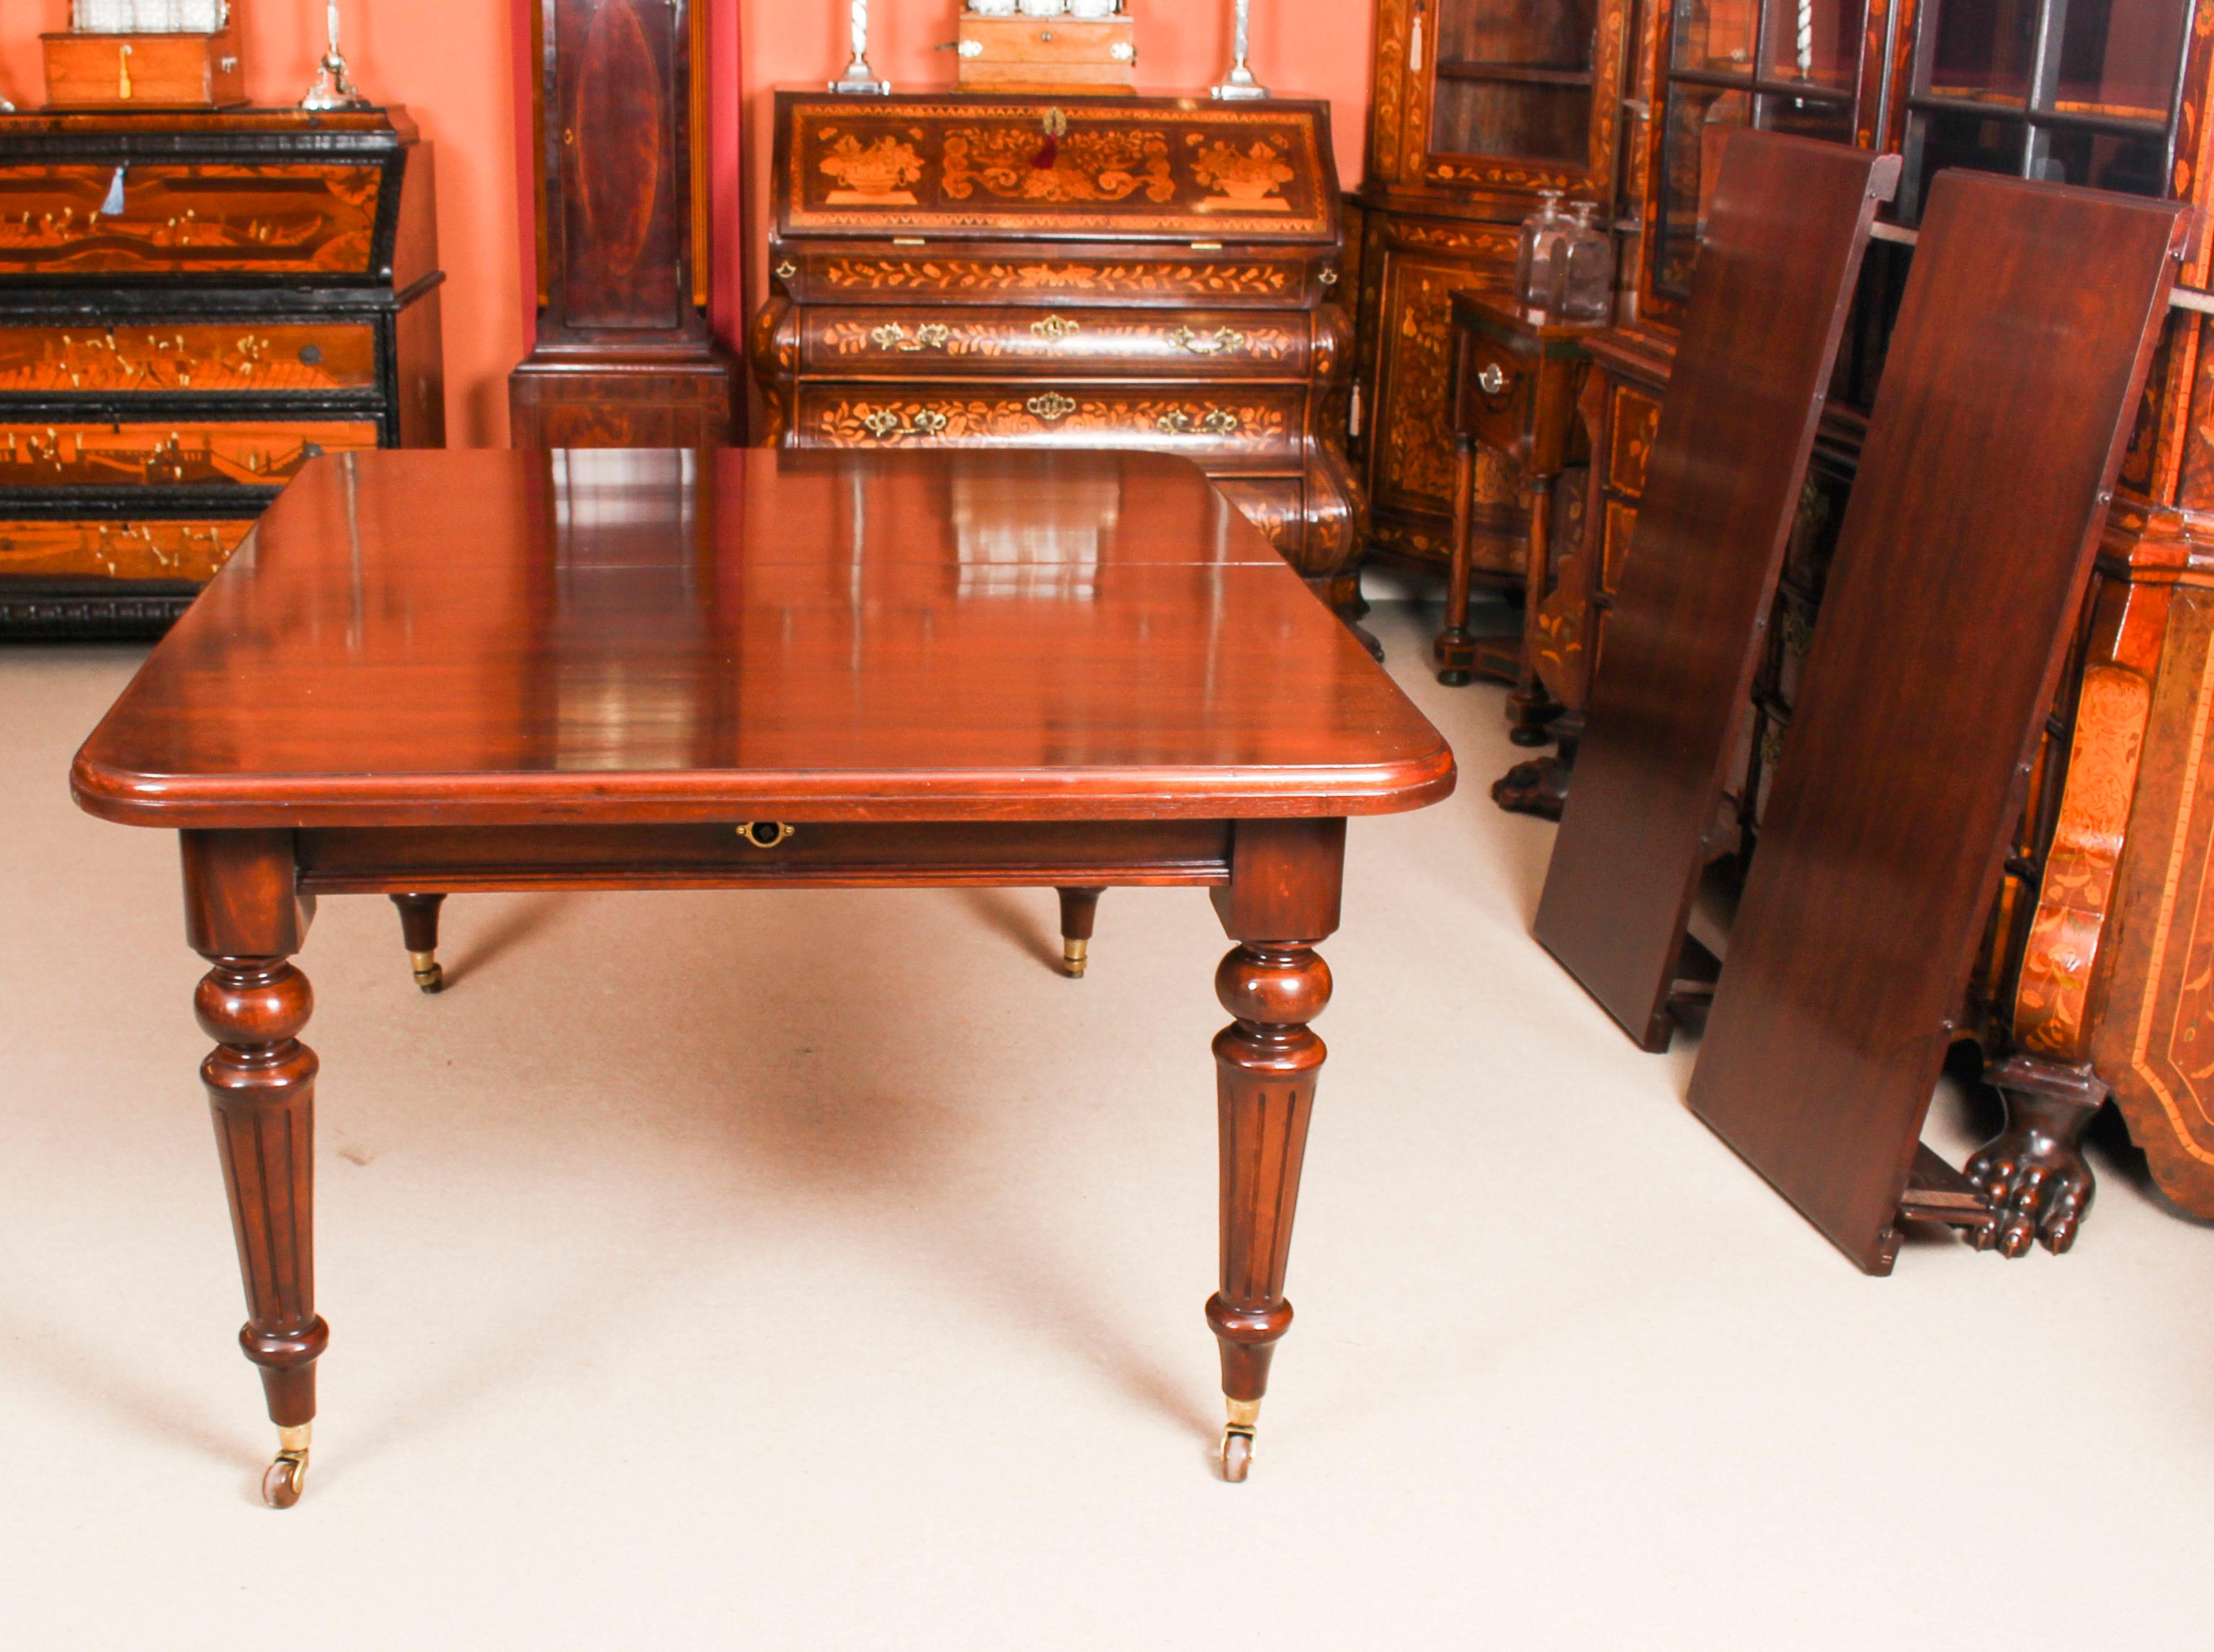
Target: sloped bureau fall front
x,y
995,272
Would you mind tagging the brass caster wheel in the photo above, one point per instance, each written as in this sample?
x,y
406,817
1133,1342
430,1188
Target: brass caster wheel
x,y
1238,1440
429,974
283,1480
1075,955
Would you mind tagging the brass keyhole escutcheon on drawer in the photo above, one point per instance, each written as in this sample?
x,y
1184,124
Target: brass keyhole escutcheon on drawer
x,y
1492,380
766,834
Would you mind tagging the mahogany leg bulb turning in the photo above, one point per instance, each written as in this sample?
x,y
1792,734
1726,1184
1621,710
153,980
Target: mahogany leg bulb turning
x,y
1267,1061
260,1082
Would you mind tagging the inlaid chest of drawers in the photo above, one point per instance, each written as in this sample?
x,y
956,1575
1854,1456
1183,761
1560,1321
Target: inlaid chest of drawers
x,y
980,271
191,307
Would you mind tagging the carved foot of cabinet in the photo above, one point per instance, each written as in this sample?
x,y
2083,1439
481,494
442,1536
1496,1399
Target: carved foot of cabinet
x,y
1538,787
2033,1174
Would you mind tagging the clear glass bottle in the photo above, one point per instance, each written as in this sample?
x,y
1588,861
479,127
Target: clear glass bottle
x,y
1582,284
1533,257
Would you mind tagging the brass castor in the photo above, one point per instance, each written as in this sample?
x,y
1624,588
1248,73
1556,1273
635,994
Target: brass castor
x,y
287,1477
1075,955
1238,1440
429,975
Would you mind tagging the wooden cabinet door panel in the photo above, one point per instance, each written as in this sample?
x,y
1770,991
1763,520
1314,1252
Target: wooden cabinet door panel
x,y
622,233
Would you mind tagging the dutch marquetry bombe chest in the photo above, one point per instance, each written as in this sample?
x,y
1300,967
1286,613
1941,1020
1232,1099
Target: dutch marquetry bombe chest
x,y
975,270
191,307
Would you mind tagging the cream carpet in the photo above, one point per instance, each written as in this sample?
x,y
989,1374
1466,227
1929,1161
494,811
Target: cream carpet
x,y
818,1270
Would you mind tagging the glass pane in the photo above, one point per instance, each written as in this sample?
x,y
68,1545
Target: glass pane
x,y
2119,57
1513,79
1983,143
1804,118
1519,122
1698,117
1983,48
1715,35
1816,40
2133,165
1548,34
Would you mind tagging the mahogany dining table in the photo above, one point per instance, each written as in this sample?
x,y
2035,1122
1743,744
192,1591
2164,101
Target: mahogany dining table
x,y
428,673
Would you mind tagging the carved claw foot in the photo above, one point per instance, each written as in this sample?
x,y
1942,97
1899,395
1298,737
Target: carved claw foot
x,y
2034,1178
1538,787
1238,1439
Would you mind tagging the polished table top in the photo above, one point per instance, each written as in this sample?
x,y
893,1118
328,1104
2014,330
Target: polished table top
x,y
424,637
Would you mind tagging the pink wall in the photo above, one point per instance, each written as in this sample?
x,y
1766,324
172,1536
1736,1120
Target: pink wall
x,y
455,64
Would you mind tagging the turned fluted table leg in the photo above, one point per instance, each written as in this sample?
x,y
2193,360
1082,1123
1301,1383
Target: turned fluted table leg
x,y
261,1082
1078,908
418,928
1267,1061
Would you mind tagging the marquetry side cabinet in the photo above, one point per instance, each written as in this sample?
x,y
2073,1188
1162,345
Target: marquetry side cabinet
x,y
1478,105
191,307
624,353
971,270
2095,979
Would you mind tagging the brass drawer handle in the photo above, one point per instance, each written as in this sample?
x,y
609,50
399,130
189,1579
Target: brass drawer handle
x,y
1208,343
764,834
932,336
1492,380
1052,407
884,424
1216,421
1056,329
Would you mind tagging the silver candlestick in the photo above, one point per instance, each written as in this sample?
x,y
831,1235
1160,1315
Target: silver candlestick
x,y
858,77
1240,82
333,88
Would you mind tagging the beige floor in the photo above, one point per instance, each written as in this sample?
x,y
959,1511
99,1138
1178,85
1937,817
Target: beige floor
x,y
810,1270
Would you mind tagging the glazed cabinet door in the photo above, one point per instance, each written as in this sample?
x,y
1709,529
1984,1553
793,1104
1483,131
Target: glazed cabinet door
x,y
619,70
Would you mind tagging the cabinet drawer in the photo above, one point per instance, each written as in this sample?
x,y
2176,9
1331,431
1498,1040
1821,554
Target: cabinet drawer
x,y
118,550
1244,427
198,358
938,339
1274,505
171,453
1494,396
182,220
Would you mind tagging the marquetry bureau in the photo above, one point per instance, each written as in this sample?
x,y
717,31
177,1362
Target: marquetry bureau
x,y
1018,271
193,306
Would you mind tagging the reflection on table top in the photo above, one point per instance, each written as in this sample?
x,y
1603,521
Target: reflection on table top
x,y
647,635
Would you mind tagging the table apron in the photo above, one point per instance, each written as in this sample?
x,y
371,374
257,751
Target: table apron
x,y
823,855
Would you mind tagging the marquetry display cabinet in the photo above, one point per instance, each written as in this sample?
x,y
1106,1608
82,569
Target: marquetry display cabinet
x,y
975,270
1478,105
2100,968
191,307
625,354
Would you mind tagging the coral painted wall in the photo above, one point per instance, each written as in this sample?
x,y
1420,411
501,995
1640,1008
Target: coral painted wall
x,y
456,64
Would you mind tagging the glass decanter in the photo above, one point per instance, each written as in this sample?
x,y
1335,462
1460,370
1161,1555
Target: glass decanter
x,y
1581,287
1534,275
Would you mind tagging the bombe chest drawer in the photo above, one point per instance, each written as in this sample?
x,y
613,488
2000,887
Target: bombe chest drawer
x,y
1069,271
192,308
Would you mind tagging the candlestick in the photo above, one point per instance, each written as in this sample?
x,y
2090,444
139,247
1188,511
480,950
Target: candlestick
x,y
858,77
333,88
1240,82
